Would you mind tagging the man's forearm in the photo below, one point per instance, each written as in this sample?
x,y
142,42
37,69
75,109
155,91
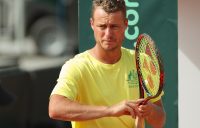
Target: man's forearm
x,y
157,117
64,109
78,112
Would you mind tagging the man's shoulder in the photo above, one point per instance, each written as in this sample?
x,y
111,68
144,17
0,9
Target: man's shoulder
x,y
78,59
81,56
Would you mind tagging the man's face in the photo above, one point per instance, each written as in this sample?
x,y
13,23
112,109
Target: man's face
x,y
108,28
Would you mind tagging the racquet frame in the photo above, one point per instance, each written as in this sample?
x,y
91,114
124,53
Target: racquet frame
x,y
137,56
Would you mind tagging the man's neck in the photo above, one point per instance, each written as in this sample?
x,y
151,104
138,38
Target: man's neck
x,y
108,57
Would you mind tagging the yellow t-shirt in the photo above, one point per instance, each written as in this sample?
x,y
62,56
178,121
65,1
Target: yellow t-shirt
x,y
89,81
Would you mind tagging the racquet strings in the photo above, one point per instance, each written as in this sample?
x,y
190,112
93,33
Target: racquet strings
x,y
149,66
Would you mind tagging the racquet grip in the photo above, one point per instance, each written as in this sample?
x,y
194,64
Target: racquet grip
x,y
139,122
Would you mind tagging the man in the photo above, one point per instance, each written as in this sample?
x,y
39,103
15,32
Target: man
x,y
99,87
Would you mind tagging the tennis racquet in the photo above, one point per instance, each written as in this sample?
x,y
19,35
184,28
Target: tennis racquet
x,y
150,71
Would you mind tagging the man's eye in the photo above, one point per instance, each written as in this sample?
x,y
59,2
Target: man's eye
x,y
115,27
102,26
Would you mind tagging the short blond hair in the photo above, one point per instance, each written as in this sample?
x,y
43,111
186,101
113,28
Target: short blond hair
x,y
109,6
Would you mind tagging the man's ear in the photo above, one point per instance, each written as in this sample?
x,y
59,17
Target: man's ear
x,y
91,23
126,22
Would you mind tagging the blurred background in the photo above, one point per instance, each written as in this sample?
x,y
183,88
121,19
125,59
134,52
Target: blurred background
x,y
36,38
44,27
189,63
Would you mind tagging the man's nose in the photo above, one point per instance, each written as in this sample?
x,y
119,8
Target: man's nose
x,y
108,32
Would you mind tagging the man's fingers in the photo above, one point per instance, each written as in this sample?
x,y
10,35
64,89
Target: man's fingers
x,y
134,107
144,110
131,111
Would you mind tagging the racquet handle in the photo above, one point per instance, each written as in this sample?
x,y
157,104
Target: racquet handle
x,y
144,102
139,122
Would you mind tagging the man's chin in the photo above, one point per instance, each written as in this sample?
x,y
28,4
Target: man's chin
x,y
110,48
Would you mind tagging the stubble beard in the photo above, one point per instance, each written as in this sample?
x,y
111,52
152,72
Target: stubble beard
x,y
106,47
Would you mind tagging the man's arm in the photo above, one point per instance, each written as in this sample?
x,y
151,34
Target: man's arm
x,y
62,108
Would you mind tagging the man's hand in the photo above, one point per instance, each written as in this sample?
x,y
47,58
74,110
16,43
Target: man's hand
x,y
146,109
127,107
153,113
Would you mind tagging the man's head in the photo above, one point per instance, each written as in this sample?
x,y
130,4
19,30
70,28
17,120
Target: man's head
x,y
109,6
109,23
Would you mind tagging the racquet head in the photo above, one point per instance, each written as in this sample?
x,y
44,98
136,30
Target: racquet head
x,y
149,67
